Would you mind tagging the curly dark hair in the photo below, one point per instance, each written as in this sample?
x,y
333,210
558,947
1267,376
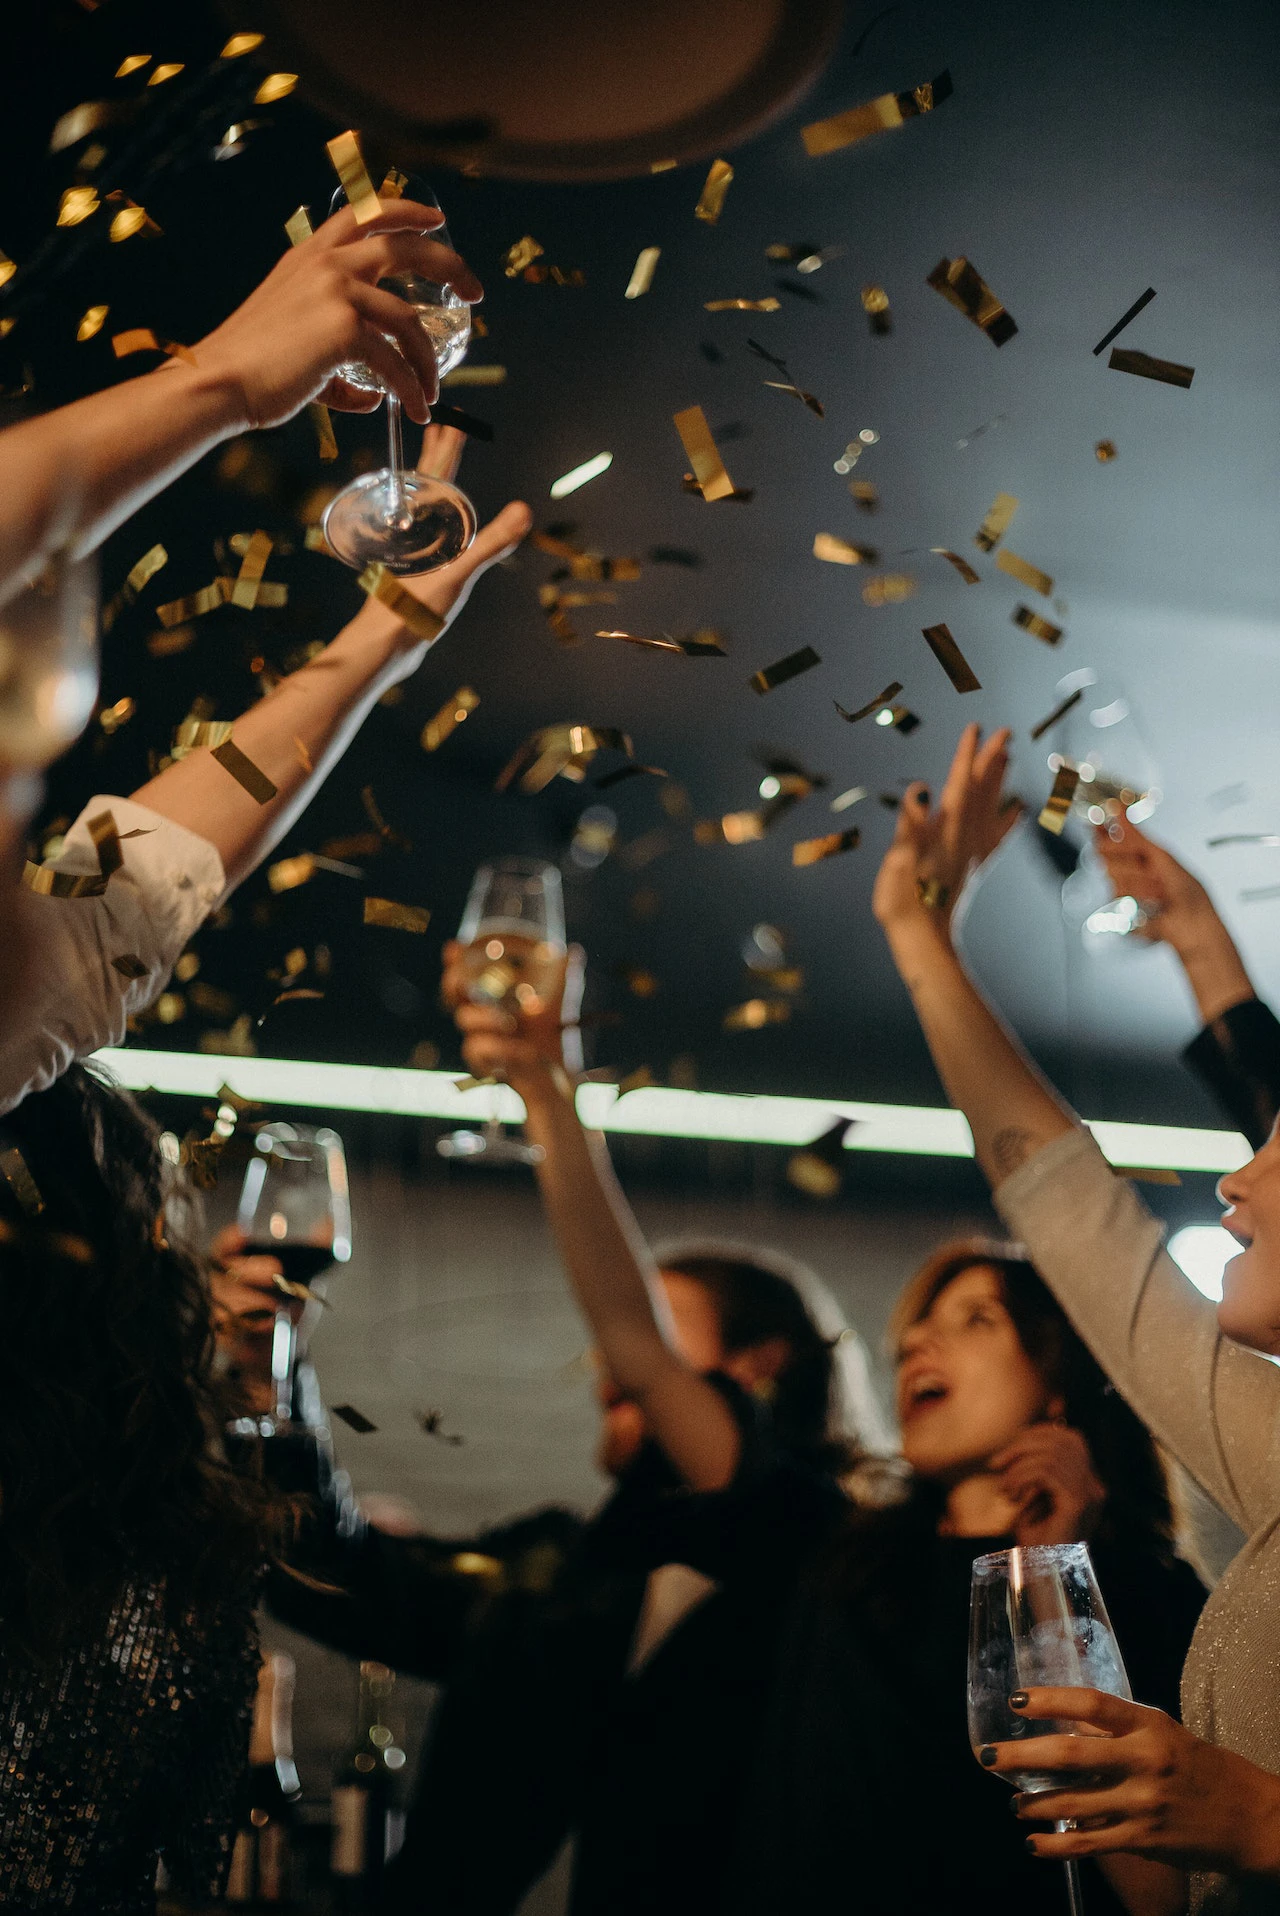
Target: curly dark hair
x,y
111,1462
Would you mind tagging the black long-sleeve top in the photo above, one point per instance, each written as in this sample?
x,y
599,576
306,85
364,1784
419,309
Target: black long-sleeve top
x,y
1237,1056
542,1729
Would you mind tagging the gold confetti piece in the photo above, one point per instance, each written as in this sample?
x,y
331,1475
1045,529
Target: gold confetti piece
x,y
891,588
77,204
168,71
962,566
711,202
1147,1174
874,116
1167,371
356,1418
348,164
768,305
811,851
162,645
289,997
701,645
244,592
452,714
1059,712
806,399
865,496
642,272
195,605
951,659
92,322
875,304
580,475
641,1079
1143,299
1104,451
709,473
46,882
396,917
996,523
756,1013
326,444
663,166
140,574
560,751
387,833
1024,572
291,1286
633,769
193,733
131,64
130,220
288,873
1058,804
522,254
1038,628
853,796
17,1175
901,717
789,668
840,552
298,226
276,86
116,715
8,268
128,966
380,584
475,376
864,711
141,339
244,771
240,43
393,184
964,287
817,1169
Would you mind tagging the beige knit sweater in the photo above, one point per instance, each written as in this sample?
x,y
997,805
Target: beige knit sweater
x,y
1213,1404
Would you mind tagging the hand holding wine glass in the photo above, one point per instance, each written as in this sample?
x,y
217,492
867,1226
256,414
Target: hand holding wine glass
x,y
1036,1616
514,986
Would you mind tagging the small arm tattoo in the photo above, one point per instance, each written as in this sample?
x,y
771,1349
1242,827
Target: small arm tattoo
x,y
1011,1148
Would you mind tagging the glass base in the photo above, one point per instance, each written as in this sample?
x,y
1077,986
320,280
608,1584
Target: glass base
x,y
405,521
489,1147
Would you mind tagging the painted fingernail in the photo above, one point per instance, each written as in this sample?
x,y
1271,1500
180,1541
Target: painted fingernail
x,y
1018,1700
987,1755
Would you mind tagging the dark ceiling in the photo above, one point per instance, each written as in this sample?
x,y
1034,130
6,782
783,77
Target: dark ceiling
x,y
1088,152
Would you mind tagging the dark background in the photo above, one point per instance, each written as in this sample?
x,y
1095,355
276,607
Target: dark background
x,y
1088,151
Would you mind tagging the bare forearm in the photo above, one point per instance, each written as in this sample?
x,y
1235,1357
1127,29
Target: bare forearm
x,y
1012,1111
73,475
1214,968
295,736
615,1281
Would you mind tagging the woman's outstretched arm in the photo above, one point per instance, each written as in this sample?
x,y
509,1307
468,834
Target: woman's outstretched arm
x,y
608,1263
1209,1401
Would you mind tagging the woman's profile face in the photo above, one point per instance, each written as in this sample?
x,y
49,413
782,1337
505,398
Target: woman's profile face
x,y
965,1385
1250,1309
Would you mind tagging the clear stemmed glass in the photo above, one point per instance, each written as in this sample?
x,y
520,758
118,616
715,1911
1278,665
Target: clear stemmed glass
x,y
294,1206
406,520
513,930
1036,1616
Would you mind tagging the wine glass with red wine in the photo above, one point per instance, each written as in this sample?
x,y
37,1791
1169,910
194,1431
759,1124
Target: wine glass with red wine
x,y
294,1206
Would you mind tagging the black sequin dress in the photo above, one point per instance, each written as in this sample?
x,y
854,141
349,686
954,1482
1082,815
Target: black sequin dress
x,y
129,1751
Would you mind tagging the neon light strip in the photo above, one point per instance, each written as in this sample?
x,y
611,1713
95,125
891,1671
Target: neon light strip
x,y
911,1130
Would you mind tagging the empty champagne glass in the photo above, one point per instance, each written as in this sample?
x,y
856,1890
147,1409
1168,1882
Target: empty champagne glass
x,y
402,519
513,930
294,1206
1036,1616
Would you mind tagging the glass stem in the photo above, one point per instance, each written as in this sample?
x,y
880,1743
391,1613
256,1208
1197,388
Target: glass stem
x,y
395,456
284,1349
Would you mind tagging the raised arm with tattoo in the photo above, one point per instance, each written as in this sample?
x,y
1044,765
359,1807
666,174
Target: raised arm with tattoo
x,y
613,1274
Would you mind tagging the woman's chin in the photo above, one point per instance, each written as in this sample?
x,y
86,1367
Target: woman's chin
x,y
1249,1312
